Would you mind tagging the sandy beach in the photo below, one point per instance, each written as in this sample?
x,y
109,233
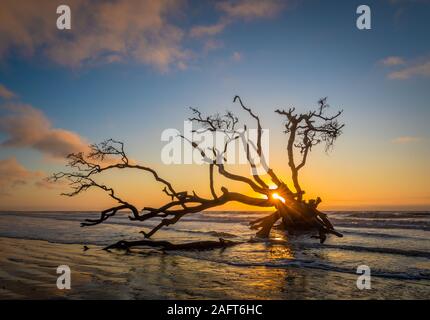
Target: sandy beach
x,y
28,271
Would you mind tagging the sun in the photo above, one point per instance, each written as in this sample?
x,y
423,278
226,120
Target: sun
x,y
277,196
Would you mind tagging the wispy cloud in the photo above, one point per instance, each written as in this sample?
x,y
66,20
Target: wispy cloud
x,y
406,69
417,70
232,11
102,32
115,31
5,93
392,61
118,31
27,127
405,139
13,174
208,30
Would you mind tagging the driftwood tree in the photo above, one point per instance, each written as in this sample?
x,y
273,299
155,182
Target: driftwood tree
x,y
304,131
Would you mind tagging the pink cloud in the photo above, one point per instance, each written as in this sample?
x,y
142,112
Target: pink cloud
x,y
406,139
407,69
116,31
417,70
233,11
26,126
13,174
102,32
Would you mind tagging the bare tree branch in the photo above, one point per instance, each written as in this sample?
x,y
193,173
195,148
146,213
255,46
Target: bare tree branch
x,y
304,131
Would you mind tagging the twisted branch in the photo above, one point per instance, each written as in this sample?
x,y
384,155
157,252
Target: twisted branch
x,y
304,130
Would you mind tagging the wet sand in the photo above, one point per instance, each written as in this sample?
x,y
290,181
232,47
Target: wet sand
x,y
28,271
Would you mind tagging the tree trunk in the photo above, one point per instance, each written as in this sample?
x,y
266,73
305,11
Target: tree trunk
x,y
166,245
298,216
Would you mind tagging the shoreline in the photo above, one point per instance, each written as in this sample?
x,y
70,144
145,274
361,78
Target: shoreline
x,y
29,272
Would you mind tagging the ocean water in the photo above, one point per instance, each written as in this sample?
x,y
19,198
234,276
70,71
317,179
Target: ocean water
x,y
394,245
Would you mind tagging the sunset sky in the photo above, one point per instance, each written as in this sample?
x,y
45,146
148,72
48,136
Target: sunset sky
x,y
130,69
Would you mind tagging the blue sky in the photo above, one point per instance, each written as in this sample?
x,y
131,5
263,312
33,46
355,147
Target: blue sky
x,y
292,56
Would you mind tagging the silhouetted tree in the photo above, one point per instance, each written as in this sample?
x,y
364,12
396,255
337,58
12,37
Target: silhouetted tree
x,y
304,131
